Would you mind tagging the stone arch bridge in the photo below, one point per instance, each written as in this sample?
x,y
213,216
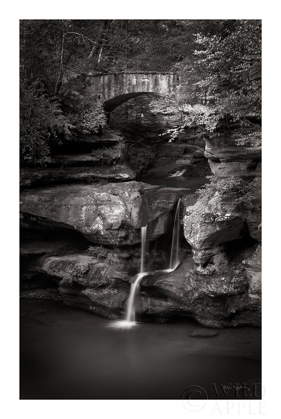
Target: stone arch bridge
x,y
116,88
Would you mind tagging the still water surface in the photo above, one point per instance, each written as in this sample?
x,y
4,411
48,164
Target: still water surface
x,y
72,354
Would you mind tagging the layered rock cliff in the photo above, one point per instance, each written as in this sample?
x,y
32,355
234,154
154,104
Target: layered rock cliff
x,y
82,234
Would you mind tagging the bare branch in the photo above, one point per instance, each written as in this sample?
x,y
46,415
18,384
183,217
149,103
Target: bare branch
x,y
80,34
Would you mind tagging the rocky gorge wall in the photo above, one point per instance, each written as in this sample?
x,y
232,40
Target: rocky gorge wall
x,y
223,227
81,217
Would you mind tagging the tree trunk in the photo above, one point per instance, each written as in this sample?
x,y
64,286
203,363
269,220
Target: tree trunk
x,y
100,42
60,73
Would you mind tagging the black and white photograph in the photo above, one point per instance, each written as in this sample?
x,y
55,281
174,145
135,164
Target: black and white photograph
x,y
134,280
140,209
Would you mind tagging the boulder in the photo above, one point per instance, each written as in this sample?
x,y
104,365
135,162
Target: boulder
x,y
214,301
234,156
226,210
111,214
98,281
106,302
82,269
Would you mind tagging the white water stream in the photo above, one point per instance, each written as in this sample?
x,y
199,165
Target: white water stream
x,y
130,319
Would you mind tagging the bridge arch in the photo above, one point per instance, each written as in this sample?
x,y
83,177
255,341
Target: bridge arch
x,y
116,88
116,101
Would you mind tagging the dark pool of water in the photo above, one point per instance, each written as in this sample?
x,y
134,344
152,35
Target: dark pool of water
x,y
72,354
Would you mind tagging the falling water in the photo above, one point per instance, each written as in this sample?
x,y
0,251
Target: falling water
x,y
130,320
130,314
143,248
174,257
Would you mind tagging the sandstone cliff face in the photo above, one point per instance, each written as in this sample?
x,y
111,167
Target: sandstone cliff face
x,y
227,215
84,159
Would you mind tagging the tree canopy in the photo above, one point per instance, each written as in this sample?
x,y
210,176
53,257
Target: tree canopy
x,y
218,60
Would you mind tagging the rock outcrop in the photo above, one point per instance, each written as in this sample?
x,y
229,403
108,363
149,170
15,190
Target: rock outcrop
x,y
223,228
234,155
223,213
110,214
84,159
85,238
33,177
215,301
101,285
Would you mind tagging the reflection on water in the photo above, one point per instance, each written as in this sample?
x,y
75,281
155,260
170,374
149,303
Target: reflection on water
x,y
71,354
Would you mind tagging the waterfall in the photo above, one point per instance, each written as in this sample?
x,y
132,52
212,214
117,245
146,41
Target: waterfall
x,y
174,256
130,313
143,248
130,317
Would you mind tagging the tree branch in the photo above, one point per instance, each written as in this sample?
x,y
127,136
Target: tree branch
x,y
80,34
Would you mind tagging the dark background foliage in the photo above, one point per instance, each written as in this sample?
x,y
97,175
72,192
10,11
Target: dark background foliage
x,y
218,61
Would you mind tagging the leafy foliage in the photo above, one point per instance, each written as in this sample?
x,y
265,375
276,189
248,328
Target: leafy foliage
x,y
83,108
40,120
220,72
213,57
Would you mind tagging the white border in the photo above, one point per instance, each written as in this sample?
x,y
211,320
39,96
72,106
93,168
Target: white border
x,y
11,13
